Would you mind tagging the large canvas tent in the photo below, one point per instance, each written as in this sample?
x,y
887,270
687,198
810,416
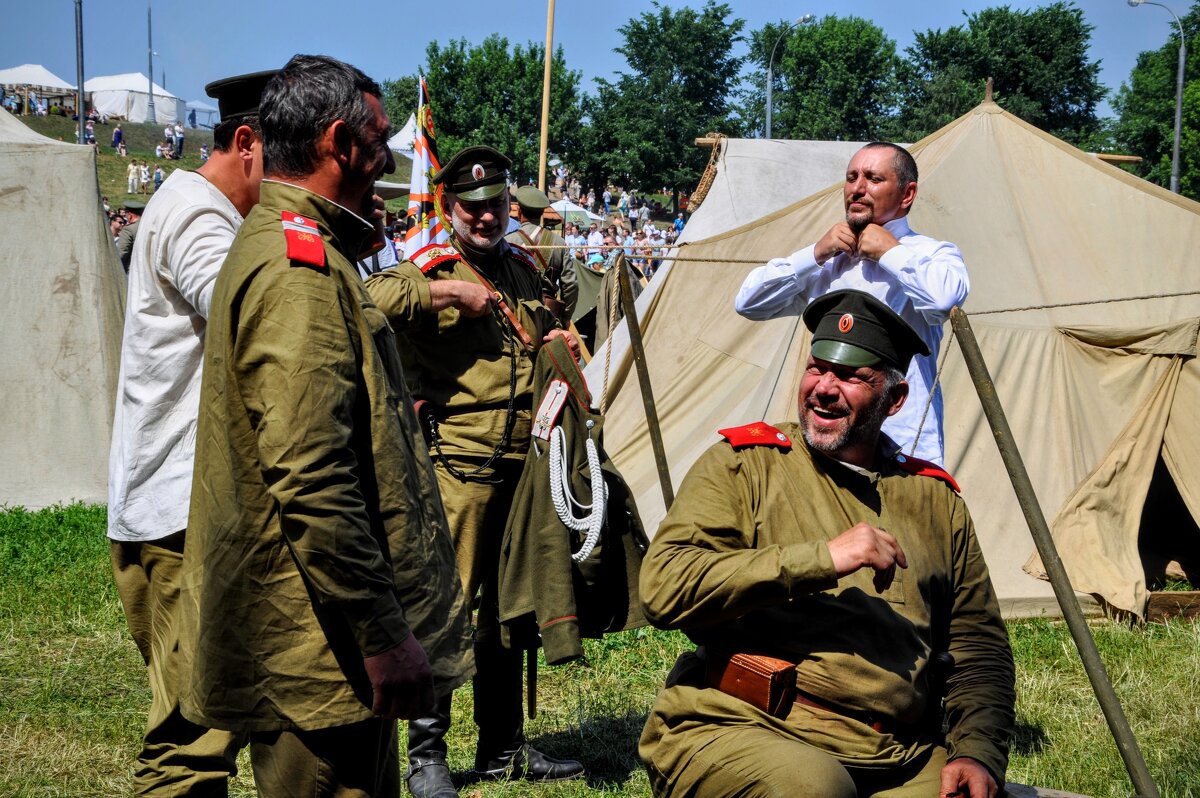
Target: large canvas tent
x,y
127,97
60,325
1084,300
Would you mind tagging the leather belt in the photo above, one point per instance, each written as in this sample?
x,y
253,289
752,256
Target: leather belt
x,y
866,718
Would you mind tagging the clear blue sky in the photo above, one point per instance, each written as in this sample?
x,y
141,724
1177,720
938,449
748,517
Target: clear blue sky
x,y
200,42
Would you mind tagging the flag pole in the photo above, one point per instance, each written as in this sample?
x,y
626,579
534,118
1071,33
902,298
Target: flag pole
x,y
546,96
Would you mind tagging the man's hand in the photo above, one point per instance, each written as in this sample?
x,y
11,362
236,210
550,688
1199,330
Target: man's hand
x,y
572,341
376,241
401,680
840,238
472,299
874,241
966,777
864,546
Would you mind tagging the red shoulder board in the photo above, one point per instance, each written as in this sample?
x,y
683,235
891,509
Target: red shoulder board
x,y
304,244
523,255
760,433
434,255
924,468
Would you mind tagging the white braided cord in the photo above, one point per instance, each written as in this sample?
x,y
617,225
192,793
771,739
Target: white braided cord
x,y
564,500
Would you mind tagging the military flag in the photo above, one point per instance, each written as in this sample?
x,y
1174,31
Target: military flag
x,y
423,222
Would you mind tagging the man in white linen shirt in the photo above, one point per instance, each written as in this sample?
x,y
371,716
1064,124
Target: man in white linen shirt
x,y
183,238
874,250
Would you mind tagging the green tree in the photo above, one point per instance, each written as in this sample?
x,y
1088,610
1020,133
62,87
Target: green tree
x,y
681,70
833,80
1145,109
491,94
1038,60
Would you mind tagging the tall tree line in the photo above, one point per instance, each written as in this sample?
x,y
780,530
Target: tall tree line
x,y
689,71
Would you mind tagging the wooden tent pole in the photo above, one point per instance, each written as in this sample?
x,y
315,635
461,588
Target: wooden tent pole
x,y
1118,724
545,139
639,360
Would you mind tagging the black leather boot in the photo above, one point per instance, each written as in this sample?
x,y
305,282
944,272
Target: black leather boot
x,y
428,775
502,752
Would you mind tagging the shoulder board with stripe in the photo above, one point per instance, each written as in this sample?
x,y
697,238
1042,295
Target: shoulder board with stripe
x,y
523,255
434,255
760,433
303,237
924,468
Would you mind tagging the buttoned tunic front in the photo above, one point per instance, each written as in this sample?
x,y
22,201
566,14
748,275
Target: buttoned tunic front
x,y
317,537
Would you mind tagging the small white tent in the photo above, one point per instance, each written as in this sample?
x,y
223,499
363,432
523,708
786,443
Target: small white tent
x,y
127,97
404,141
60,323
35,78
1083,299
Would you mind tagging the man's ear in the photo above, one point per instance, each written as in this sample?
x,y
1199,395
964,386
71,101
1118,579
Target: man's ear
x,y
910,196
341,141
244,141
899,394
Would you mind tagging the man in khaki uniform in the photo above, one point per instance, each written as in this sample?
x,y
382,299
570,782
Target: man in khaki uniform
x,y
318,567
470,321
779,549
556,264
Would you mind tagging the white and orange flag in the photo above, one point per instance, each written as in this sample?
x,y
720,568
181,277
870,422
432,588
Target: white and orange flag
x,y
423,222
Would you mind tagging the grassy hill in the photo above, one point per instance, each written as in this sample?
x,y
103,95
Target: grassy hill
x,y
140,140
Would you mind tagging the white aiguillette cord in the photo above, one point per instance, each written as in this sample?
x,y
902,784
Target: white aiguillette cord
x,y
564,500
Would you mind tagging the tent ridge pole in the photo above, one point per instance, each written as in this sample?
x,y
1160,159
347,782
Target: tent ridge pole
x,y
1118,724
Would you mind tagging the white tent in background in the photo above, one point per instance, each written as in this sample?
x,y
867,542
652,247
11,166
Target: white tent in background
x,y
405,139
575,214
1083,299
35,78
60,322
126,97
204,112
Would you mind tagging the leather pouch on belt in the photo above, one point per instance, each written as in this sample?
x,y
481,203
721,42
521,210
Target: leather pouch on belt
x,y
765,682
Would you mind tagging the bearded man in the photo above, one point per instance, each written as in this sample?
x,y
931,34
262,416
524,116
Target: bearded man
x,y
849,639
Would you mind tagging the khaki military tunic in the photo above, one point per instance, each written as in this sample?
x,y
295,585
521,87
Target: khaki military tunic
x,y
316,537
741,563
557,264
463,366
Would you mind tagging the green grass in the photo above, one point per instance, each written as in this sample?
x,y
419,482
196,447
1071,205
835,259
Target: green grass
x,y
73,688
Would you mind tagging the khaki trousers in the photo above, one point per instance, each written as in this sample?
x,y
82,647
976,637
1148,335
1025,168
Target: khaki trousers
x,y
356,761
178,757
750,762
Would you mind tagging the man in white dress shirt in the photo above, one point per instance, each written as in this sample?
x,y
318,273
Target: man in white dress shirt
x,y
184,236
874,250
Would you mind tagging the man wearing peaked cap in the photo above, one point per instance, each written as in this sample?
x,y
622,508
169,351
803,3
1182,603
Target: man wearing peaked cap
x,y
188,227
556,264
817,552
124,243
470,321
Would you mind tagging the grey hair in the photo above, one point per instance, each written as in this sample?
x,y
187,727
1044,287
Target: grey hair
x,y
300,103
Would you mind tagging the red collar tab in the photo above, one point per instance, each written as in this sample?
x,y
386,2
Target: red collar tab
x,y
924,468
760,433
434,255
304,244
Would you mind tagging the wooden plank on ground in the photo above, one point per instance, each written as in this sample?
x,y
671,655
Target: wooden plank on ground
x,y
1166,605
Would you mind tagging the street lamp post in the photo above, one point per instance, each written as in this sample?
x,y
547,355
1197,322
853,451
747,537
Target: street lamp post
x,y
150,116
804,20
1178,89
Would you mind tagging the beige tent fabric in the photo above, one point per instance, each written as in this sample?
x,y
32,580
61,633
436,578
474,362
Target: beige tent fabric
x,y
60,326
1040,223
1180,451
